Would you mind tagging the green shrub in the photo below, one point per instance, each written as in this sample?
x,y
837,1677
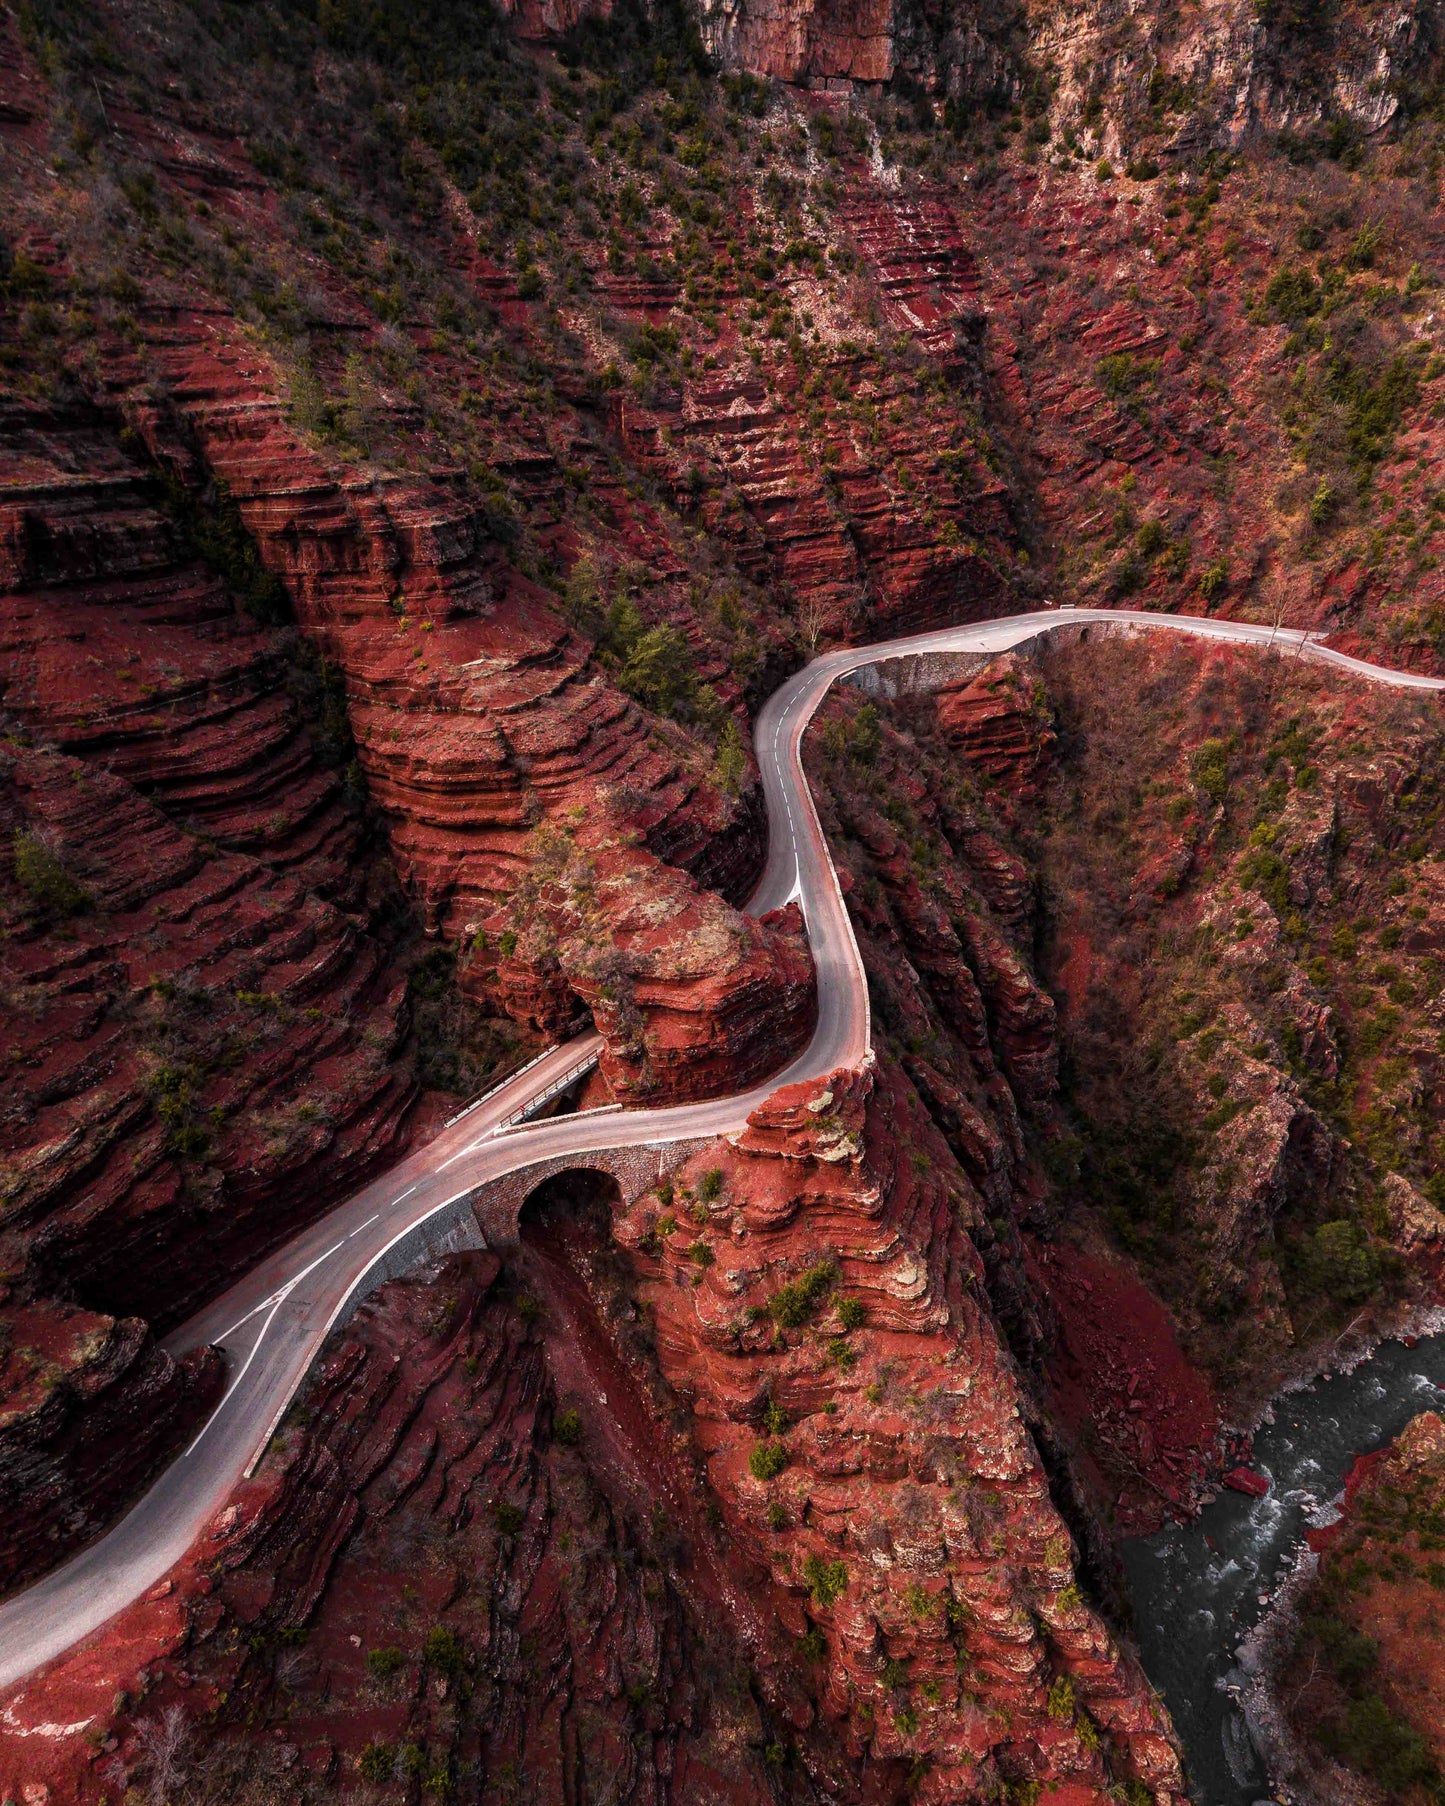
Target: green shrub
x,y
827,1581
865,737
214,529
852,1313
1213,579
39,873
1210,770
1373,408
567,1428
1120,374
445,1651
509,1518
710,1184
385,1662
376,1763
730,764
793,1304
1388,1750
813,1646
768,1460
1292,294
1341,1262
1265,872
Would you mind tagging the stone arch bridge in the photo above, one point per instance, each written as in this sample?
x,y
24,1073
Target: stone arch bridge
x,y
488,1215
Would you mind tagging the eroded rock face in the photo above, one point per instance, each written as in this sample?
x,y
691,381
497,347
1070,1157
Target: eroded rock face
x,y
441,1563
206,1047
692,998
122,647
801,41
817,1296
91,1408
1251,72
1257,72
1000,720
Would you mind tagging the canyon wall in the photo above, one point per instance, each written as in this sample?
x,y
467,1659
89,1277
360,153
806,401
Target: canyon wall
x,y
420,461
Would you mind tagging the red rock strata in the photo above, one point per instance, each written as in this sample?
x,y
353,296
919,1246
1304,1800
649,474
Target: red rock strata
x,y
818,1299
483,1538
474,739
434,1568
92,1406
121,647
1001,720
692,998
205,1050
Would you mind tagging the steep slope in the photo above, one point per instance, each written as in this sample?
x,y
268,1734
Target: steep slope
x,y
420,458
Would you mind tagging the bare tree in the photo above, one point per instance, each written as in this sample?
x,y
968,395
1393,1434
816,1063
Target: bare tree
x,y
812,622
164,1744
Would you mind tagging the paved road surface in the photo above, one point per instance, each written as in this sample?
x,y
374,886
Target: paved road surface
x,y
272,1322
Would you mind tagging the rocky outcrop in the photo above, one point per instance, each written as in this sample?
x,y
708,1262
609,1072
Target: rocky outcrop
x,y
1249,71
203,1047
91,1407
124,648
816,1296
841,41
1000,721
692,999
439,1570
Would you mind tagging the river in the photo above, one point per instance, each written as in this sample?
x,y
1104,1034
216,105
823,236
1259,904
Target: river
x,y
1197,1587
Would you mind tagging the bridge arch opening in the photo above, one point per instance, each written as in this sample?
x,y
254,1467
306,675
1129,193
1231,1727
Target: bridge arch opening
x,y
578,1198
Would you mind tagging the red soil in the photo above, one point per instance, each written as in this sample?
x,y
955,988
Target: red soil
x,y
1146,1423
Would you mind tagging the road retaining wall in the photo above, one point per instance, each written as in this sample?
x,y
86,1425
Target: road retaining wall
x,y
449,1230
920,673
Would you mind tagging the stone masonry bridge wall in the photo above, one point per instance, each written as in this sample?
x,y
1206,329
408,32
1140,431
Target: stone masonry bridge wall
x,y
922,672
497,1206
487,1216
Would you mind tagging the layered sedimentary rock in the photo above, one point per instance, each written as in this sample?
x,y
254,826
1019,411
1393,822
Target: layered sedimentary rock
x,y
442,1572
802,41
203,1046
478,719
121,646
862,1427
1001,720
91,1408
691,998
814,483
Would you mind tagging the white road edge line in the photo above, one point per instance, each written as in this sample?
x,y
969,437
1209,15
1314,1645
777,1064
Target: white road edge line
x,y
785,772
319,1342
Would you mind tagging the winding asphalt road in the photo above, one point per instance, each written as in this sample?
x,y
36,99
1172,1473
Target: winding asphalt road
x,y
272,1323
